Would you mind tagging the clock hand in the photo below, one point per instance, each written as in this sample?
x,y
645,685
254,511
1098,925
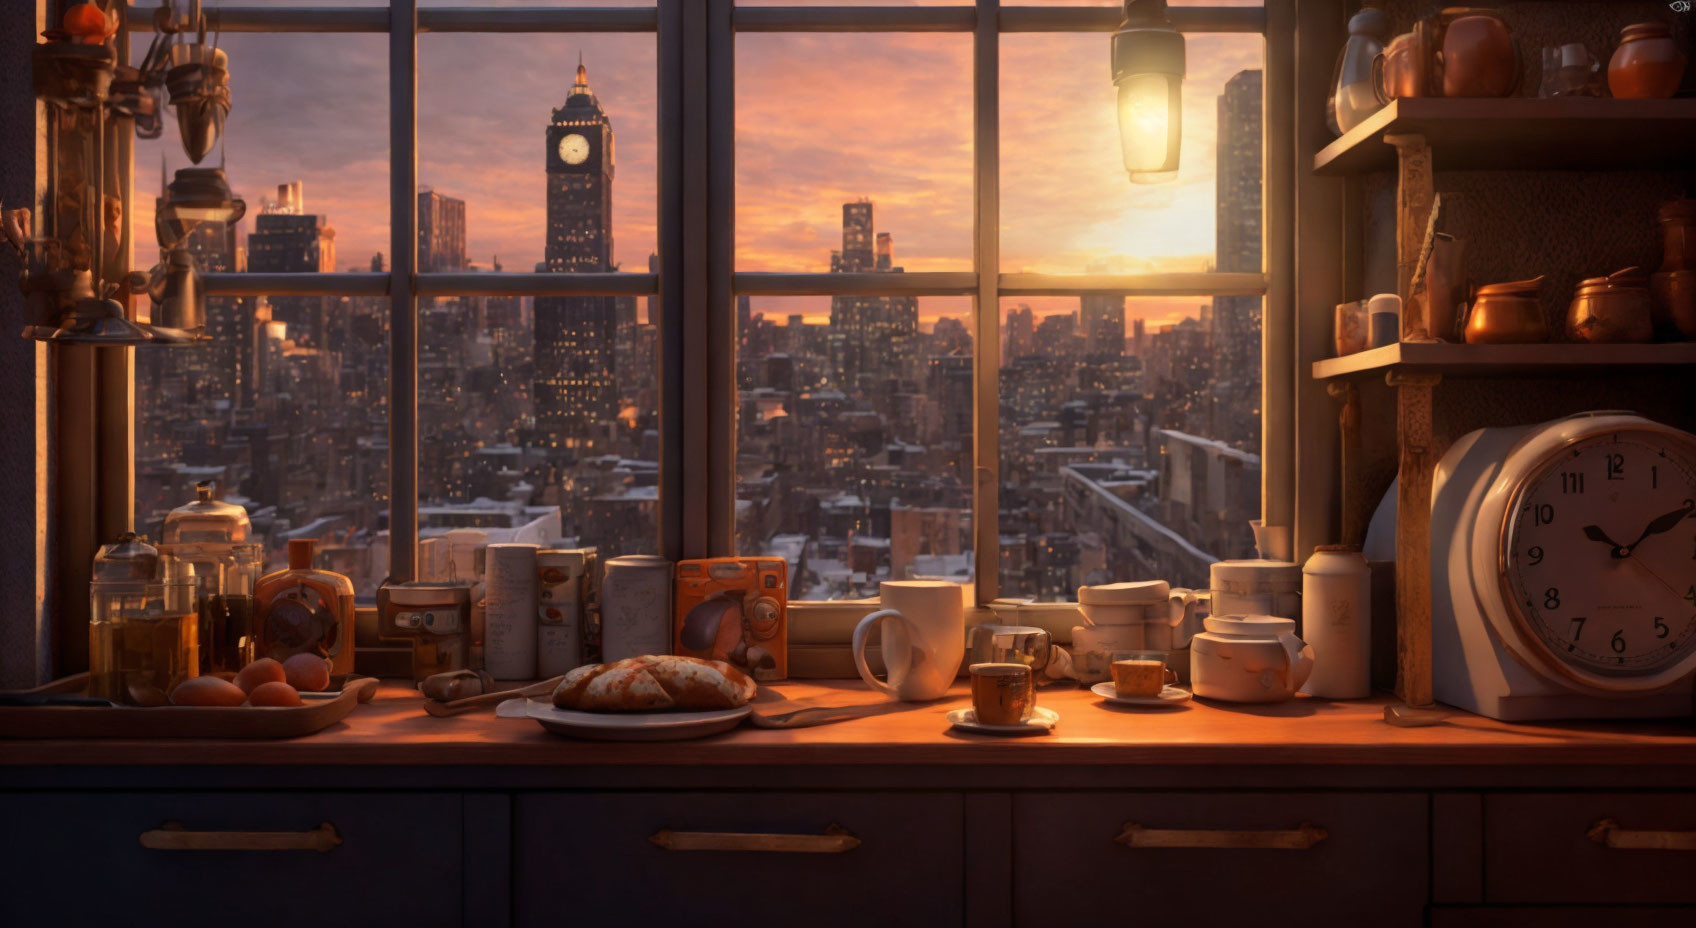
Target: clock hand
x,y
1656,576
1661,523
1595,533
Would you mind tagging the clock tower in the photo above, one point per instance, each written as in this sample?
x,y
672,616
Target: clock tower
x,y
574,386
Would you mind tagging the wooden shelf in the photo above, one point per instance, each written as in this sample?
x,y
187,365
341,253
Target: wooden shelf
x,y
1453,360
1522,133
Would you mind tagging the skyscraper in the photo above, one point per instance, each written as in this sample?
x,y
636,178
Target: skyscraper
x,y
441,232
288,239
870,330
1103,322
1235,403
576,336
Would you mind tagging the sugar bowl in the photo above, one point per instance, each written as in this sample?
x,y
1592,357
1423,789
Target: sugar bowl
x,y
1615,308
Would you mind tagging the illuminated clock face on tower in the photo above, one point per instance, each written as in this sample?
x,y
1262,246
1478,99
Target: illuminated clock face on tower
x,y
573,149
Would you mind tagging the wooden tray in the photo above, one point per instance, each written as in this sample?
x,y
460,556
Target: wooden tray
x,y
251,722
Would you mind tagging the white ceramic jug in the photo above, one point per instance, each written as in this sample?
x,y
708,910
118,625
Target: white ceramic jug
x,y
924,638
1249,658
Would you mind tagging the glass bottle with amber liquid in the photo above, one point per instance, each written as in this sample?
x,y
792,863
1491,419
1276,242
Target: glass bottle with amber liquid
x,y
303,610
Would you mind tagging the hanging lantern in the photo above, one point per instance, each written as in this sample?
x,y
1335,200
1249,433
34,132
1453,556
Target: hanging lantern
x,y
1148,70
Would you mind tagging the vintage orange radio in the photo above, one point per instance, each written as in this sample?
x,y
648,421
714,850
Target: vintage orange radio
x,y
734,609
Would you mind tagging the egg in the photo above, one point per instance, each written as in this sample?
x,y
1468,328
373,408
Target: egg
x,y
261,671
307,672
274,693
207,691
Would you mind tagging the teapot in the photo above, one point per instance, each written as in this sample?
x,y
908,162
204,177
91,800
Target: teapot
x,y
1249,658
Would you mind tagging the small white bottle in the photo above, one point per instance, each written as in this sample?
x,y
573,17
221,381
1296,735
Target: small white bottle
x,y
1336,619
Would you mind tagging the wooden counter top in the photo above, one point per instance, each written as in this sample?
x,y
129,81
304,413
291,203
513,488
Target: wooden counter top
x,y
394,730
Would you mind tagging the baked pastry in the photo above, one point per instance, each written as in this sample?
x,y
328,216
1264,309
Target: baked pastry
x,y
638,684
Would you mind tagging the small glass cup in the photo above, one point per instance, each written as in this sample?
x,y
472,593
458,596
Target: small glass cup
x,y
1002,694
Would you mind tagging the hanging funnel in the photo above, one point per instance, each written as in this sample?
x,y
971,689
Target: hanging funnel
x,y
199,84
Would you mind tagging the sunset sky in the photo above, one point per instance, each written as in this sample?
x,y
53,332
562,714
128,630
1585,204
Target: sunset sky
x,y
821,119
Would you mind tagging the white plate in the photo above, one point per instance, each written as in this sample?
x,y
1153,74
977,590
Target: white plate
x,y
628,726
1170,696
1041,723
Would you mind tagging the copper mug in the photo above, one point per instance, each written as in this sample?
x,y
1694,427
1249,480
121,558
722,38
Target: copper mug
x,y
1404,68
1507,313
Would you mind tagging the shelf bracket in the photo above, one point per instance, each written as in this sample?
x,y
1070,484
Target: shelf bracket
x,y
1415,194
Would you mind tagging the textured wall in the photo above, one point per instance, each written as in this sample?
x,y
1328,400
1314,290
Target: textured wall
x,y
23,376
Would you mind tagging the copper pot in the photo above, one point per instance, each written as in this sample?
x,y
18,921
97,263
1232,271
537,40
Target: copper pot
x,y
1647,65
1478,57
1507,313
1404,68
1611,309
1674,309
1678,234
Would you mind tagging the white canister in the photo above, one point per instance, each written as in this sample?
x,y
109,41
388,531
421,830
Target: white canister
x,y
1336,618
1249,658
509,644
636,607
1255,587
559,609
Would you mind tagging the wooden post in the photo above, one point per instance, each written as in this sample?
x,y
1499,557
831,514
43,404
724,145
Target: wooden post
x,y
1416,469
1415,191
1348,424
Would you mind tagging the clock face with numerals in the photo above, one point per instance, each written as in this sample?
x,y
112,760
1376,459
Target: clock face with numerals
x,y
1598,553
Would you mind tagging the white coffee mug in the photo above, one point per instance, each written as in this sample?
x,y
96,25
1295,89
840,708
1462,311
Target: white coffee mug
x,y
924,638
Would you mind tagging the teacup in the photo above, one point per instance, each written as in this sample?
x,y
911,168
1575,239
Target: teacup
x,y
1002,694
1142,674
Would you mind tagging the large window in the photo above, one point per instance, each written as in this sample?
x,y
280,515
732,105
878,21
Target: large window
x,y
861,286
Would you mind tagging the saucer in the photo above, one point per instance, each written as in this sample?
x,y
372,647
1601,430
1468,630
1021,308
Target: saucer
x,y
1170,696
1041,723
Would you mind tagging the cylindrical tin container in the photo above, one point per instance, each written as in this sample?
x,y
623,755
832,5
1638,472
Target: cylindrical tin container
x,y
509,644
1336,618
636,607
559,615
1255,587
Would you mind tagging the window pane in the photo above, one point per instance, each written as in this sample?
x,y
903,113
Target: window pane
x,y
1112,463
823,120
541,413
287,405
854,438
1066,203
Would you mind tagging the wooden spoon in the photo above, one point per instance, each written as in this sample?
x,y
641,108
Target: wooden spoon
x,y
444,710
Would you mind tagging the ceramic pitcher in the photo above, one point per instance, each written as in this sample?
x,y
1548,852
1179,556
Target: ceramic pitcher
x,y
924,638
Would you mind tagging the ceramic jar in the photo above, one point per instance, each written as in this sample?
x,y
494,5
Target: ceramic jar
x,y
1610,309
1673,287
1251,659
1647,65
1478,56
1336,618
1348,328
1353,94
1255,587
1507,313
1146,615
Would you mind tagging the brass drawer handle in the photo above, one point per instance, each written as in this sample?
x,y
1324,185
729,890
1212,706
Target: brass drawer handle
x,y
1608,834
835,840
172,836
1294,839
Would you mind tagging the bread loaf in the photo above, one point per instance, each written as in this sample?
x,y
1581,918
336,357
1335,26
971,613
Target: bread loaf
x,y
638,684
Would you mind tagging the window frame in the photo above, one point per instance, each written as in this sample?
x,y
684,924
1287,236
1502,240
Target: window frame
x,y
697,282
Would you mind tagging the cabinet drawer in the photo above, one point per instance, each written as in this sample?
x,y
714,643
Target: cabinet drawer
x,y
1538,848
78,859
1559,917
584,857
1371,862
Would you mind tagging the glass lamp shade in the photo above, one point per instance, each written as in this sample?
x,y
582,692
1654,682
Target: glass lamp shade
x,y
1150,125
1148,70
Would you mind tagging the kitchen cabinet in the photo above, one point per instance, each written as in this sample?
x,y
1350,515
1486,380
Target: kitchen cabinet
x,y
1559,848
692,858
1222,858
397,862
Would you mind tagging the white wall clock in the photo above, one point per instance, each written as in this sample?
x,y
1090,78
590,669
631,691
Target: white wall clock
x,y
1564,570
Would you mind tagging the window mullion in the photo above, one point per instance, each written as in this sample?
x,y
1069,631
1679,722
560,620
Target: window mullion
x,y
986,371
403,302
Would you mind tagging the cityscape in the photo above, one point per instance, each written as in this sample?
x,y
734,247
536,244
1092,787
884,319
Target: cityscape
x,y
1125,452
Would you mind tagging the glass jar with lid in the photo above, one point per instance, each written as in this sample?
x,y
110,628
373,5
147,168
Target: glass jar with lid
x,y
216,537
143,630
